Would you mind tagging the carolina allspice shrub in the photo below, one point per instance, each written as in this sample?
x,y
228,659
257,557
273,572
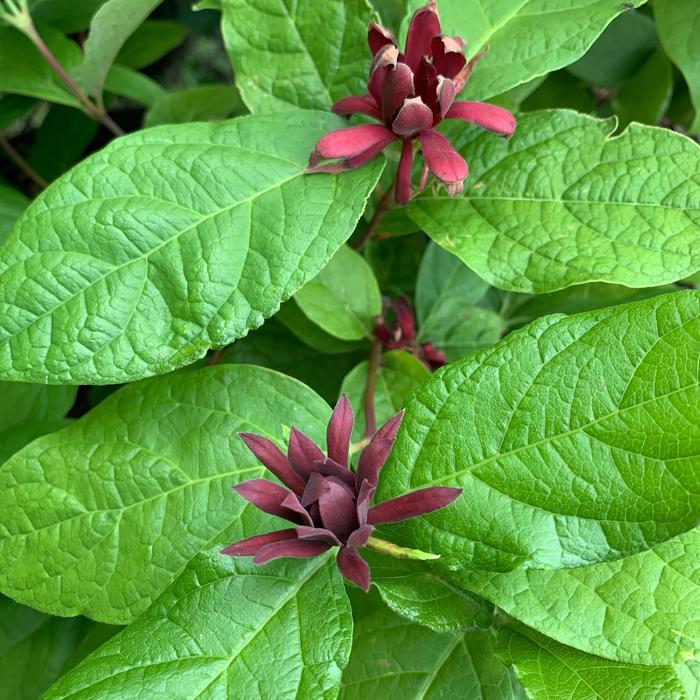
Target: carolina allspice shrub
x,y
472,228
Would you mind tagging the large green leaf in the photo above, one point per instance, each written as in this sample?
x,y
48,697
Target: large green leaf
x,y
563,203
150,42
396,659
297,52
99,518
575,439
525,38
344,298
35,649
111,26
167,242
24,403
227,628
550,670
12,204
24,71
67,15
678,24
640,609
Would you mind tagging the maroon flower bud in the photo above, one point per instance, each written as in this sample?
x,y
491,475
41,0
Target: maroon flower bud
x,y
411,93
333,506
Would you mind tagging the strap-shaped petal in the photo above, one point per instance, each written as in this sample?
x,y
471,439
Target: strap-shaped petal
x,y
339,431
424,26
412,504
250,546
448,55
272,457
353,567
297,549
443,161
413,117
303,452
270,498
484,115
363,104
378,37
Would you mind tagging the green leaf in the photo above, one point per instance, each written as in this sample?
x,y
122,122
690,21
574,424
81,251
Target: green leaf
x,y
563,203
447,293
275,346
551,670
678,24
646,95
398,375
396,261
391,12
168,242
23,70
297,52
343,299
35,649
639,609
14,439
14,108
393,658
111,26
618,52
228,627
116,505
526,38
505,418
422,593
201,103
561,90
150,42
12,204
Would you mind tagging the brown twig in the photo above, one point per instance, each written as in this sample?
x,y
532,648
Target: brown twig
x,y
21,163
370,415
383,207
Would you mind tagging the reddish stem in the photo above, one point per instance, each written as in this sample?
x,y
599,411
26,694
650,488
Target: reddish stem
x,y
370,415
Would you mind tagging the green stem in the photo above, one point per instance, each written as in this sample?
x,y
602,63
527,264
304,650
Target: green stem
x,y
383,206
393,550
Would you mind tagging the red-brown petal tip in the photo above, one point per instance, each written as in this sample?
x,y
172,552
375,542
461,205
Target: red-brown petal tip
x,y
412,505
354,567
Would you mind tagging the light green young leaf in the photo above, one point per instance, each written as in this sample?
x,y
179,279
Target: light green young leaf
x,y
642,609
525,38
36,649
563,203
228,628
24,71
201,103
678,24
168,242
99,518
12,204
344,298
395,659
421,592
575,439
150,42
111,26
551,670
297,52
398,375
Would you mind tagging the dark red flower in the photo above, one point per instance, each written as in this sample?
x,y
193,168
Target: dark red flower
x,y
329,504
401,335
411,93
